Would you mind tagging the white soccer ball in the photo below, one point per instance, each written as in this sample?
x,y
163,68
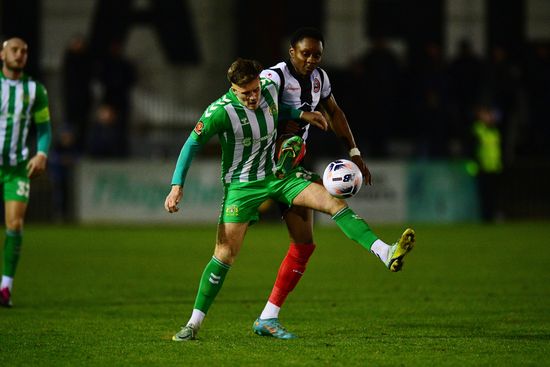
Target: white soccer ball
x,y
342,178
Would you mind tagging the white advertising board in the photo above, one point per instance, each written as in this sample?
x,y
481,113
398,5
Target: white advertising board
x,y
133,191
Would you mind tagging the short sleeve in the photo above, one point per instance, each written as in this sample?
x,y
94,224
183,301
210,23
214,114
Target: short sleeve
x,y
326,90
273,76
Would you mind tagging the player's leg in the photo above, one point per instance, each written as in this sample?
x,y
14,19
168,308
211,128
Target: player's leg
x,y
16,197
228,244
239,209
299,221
355,228
14,214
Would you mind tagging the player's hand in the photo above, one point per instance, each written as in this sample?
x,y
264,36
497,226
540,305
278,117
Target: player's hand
x,y
173,199
37,165
367,178
315,118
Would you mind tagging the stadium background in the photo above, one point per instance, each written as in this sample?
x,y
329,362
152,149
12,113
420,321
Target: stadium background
x,y
181,50
113,295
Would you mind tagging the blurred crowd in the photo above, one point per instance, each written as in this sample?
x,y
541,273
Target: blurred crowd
x,y
421,105
424,105
96,110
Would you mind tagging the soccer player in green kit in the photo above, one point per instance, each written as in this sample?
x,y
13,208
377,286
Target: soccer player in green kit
x,y
22,100
245,120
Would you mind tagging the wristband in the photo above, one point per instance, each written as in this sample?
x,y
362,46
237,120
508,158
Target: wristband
x,y
353,152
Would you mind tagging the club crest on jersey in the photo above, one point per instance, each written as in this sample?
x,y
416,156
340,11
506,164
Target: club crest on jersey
x,y
198,127
272,109
232,211
316,85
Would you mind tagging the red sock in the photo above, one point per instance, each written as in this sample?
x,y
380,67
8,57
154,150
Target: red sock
x,y
290,271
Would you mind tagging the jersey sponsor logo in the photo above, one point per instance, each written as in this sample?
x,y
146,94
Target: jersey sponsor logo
x,y
198,127
291,88
316,85
248,140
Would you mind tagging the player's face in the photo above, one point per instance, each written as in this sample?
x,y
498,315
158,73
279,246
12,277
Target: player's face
x,y
248,94
14,54
306,55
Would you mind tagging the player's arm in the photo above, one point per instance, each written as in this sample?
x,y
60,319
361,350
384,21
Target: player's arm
x,y
339,124
314,118
209,125
187,154
41,116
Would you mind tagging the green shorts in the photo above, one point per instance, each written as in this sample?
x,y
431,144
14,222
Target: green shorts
x,y
242,199
15,182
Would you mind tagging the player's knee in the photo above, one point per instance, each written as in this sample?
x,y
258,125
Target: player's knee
x,y
335,205
226,254
14,224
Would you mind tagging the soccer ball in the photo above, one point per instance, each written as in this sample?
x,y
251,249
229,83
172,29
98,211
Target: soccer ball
x,y
342,178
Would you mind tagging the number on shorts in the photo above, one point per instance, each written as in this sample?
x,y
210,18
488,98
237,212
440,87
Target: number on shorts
x,y
23,188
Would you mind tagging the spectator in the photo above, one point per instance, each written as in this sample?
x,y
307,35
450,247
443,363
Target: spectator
x,y
77,93
62,160
106,134
117,76
465,72
538,90
503,86
487,154
378,75
429,102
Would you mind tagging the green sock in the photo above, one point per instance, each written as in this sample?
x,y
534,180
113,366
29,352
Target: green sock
x,y
355,227
12,249
211,283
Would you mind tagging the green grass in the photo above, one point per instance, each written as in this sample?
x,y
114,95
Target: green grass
x,y
108,296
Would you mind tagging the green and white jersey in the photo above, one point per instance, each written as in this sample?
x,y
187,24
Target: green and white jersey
x,y
21,101
247,137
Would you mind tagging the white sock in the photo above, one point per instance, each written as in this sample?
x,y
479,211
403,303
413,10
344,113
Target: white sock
x,y
380,249
6,282
270,311
196,318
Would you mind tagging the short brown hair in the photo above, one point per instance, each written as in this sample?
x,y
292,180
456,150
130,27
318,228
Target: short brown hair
x,y
243,71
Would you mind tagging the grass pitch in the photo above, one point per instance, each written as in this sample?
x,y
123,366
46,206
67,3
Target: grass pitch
x,y
114,296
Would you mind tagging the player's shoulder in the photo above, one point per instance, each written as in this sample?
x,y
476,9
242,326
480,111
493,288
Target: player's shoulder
x,y
279,66
266,82
29,79
322,73
217,108
275,72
